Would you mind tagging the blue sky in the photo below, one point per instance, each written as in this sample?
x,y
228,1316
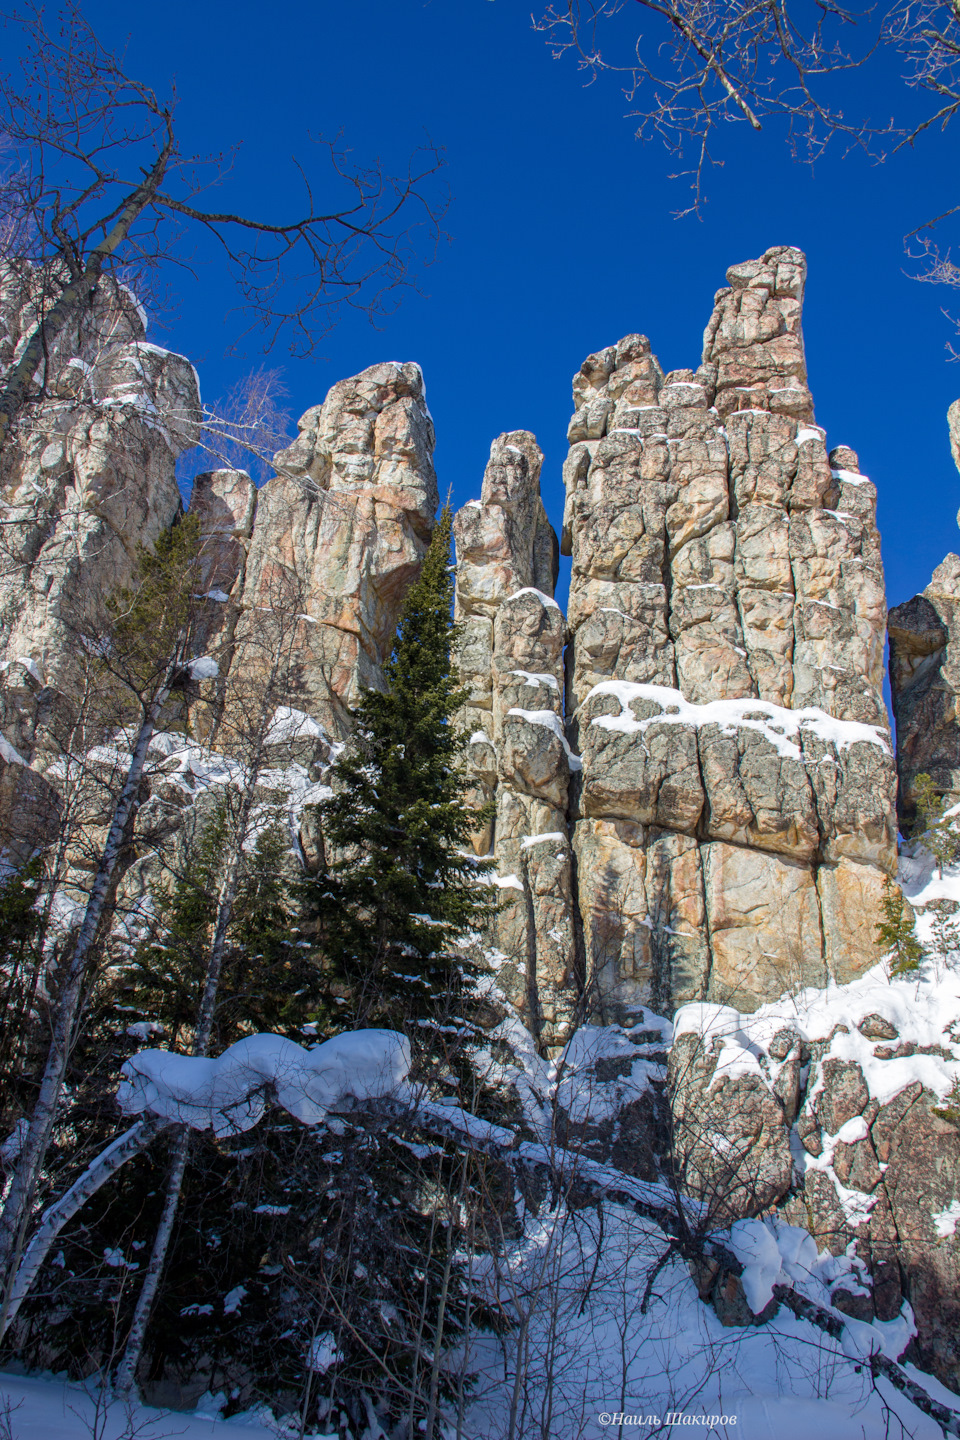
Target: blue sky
x,y
562,236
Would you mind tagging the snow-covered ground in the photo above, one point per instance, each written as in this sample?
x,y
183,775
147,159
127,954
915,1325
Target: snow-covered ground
x,y
47,1408
592,1353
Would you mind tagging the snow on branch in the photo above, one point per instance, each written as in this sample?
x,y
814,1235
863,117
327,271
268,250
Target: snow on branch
x,y
231,1094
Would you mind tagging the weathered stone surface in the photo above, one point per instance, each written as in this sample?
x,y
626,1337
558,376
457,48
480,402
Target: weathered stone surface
x,y
504,541
85,479
850,899
843,1096
764,926
721,554
340,532
225,502
925,685
953,427
902,1172
510,658
642,904
754,337
752,1168
30,809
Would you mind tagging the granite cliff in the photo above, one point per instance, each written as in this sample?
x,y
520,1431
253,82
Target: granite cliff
x,y
692,774
714,767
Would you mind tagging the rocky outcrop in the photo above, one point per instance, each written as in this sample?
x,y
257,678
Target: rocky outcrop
x,y
726,759
326,549
735,818
832,1111
86,477
341,530
732,790
925,685
510,657
925,675
953,427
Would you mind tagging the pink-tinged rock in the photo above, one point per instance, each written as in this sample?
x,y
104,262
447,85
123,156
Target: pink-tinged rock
x,y
341,531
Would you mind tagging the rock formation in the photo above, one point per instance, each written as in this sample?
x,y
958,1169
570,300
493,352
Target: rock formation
x,y
510,656
88,476
340,532
925,674
690,778
827,1112
733,820
925,685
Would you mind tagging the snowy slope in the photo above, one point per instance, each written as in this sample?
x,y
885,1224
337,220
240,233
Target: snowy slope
x,y
47,1408
593,1353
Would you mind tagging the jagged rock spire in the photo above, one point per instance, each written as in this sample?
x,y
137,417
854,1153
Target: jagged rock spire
x,y
725,851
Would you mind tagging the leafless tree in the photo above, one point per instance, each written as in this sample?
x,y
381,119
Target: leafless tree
x,y
265,680
142,666
698,64
97,182
242,429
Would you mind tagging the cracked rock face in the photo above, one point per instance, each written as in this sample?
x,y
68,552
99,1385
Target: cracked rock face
x,y
87,476
722,556
896,1169
340,532
925,684
925,674
730,805
510,657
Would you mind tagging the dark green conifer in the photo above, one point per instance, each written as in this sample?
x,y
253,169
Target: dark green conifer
x,y
153,621
936,827
400,890
897,933
268,983
20,973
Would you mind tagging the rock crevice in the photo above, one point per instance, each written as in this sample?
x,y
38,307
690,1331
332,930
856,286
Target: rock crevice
x,y
726,850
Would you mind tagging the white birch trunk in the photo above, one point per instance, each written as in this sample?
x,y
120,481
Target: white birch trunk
x,y
16,1211
97,1173
126,1374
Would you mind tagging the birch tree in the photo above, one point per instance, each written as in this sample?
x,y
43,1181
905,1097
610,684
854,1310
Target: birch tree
x,y
265,670
689,69
144,651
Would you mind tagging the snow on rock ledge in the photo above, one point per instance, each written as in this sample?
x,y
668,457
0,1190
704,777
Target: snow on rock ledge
x,y
828,1103
781,727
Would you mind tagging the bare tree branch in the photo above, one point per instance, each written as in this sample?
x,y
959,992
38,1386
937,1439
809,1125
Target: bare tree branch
x,y
705,62
94,181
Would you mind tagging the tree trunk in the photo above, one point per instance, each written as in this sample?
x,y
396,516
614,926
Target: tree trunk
x,y
126,1375
97,1173
16,1210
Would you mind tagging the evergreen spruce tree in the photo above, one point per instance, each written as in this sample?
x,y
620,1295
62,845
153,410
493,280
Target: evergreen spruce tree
x,y
897,933
272,981
269,982
936,829
944,930
394,906
400,891
163,981
950,1109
